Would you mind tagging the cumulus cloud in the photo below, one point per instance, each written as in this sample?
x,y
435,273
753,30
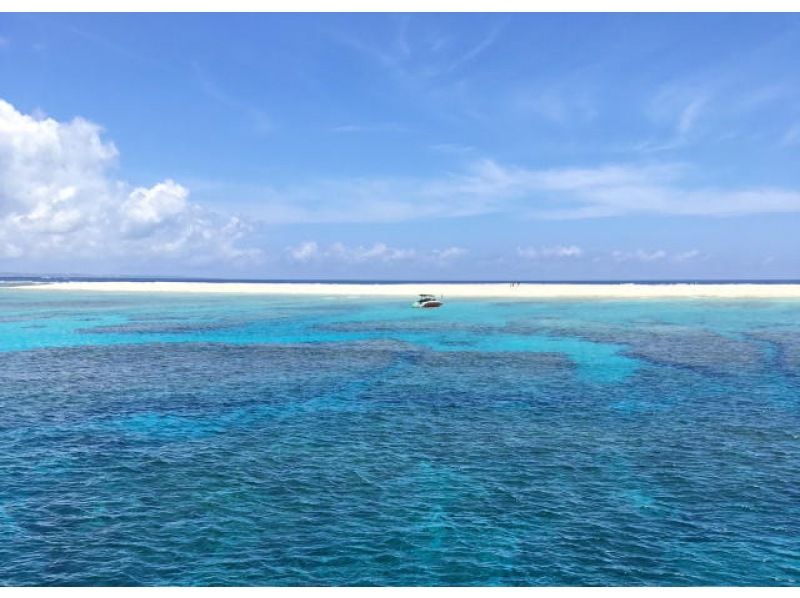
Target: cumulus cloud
x,y
59,200
558,251
378,252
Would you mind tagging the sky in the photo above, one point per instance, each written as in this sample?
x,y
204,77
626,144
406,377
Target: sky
x,y
401,146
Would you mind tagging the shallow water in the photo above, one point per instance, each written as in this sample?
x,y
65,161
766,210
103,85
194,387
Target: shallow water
x,y
190,439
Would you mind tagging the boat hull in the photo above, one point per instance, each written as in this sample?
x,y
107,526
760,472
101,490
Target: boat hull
x,y
427,301
430,304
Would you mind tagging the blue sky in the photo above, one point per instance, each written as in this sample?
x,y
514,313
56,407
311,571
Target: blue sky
x,y
554,146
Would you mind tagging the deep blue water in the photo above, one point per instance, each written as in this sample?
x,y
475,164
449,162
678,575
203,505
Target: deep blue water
x,y
191,439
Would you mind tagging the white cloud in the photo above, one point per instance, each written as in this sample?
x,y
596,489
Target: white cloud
x,y
613,190
558,251
487,187
146,209
448,253
304,252
658,255
688,116
639,255
679,104
59,200
687,255
377,252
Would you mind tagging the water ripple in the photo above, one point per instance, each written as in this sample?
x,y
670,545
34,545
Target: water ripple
x,y
387,456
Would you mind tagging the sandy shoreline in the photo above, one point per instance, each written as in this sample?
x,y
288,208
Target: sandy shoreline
x,y
452,290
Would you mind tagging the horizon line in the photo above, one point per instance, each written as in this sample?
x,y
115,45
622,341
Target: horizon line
x,y
14,277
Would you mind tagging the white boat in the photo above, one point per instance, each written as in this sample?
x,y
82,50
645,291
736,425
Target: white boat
x,y
427,301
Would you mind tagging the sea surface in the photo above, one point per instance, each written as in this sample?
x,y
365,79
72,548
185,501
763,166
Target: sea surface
x,y
189,439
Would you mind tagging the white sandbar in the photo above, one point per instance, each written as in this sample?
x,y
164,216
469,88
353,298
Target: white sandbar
x,y
446,290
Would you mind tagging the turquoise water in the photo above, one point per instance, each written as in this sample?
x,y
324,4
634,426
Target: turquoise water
x,y
193,439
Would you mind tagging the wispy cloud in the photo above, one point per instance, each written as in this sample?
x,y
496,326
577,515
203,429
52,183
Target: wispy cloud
x,y
640,255
721,99
258,118
434,68
479,48
763,96
436,54
452,148
391,56
689,115
488,187
303,252
449,253
106,44
564,103
557,252
382,127
656,255
687,255
792,135
311,251
677,109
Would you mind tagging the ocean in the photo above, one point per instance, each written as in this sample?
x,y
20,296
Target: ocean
x,y
190,439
